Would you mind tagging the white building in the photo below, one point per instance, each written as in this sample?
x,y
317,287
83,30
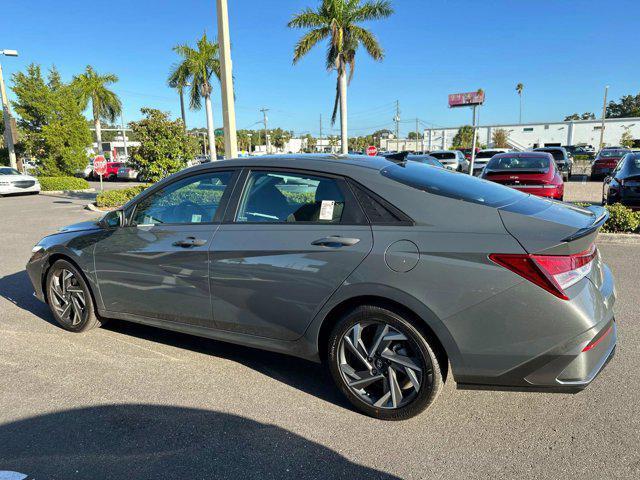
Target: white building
x,y
531,135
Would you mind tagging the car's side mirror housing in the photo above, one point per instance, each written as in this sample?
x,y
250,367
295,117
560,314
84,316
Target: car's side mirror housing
x,y
607,179
113,219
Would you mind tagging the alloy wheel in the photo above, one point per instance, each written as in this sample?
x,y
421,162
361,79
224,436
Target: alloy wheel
x,y
68,297
381,365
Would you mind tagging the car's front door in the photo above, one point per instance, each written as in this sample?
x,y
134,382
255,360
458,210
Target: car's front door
x,y
290,242
157,265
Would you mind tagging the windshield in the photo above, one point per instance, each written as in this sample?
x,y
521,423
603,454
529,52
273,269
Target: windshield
x,y
427,159
8,171
442,182
557,154
632,165
487,154
612,153
538,164
443,155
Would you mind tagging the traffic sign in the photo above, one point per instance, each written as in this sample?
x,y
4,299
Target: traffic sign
x,y
99,165
372,151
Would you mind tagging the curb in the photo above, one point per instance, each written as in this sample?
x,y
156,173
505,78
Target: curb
x,y
619,238
66,192
93,208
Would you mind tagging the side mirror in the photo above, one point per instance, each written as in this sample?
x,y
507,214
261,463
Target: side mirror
x,y
113,219
607,179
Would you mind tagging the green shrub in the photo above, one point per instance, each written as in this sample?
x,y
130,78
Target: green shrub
x,y
117,198
48,184
579,158
621,220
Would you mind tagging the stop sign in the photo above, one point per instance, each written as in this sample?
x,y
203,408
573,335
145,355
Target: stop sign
x,y
99,165
372,151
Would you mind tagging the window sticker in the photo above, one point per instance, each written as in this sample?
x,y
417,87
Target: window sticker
x,y
195,218
326,209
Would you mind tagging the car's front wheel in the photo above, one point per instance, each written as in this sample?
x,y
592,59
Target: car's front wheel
x,y
69,298
383,363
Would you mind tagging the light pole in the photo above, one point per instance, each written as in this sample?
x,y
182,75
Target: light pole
x,y
6,113
604,115
226,79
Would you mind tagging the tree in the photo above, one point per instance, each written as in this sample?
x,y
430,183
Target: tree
x,y
584,116
197,67
519,89
337,20
311,143
412,135
105,104
500,138
164,145
464,137
51,121
628,106
627,139
382,133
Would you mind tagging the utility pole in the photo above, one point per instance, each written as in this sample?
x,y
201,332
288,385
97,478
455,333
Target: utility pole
x,y
226,80
265,120
473,143
320,139
124,136
397,120
6,114
604,115
417,135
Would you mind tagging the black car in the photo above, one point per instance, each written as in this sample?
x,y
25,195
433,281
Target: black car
x,y
623,185
427,159
564,161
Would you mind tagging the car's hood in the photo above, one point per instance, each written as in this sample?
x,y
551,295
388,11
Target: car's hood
x,y
80,227
17,178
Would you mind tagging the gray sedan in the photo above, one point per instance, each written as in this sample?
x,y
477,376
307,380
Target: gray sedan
x,y
398,275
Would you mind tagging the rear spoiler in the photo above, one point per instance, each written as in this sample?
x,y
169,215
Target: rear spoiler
x,y
601,215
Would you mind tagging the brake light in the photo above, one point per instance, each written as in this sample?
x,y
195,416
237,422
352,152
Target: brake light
x,y
554,273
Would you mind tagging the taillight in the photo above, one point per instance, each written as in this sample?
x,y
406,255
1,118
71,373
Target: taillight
x,y
554,273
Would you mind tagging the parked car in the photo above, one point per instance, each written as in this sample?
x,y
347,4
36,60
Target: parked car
x,y
563,160
483,157
426,159
14,182
111,174
129,174
574,150
623,185
451,159
362,266
606,161
530,172
467,152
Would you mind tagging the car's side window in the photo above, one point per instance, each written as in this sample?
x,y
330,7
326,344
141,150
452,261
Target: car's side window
x,y
282,197
191,200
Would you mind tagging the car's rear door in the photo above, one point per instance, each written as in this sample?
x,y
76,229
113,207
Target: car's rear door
x,y
157,266
289,240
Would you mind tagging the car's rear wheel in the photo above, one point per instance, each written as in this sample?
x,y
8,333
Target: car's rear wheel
x,y
383,364
69,298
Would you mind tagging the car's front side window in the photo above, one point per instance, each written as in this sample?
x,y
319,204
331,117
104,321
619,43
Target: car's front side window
x,y
190,200
282,197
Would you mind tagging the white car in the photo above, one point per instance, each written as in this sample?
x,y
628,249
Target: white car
x,y
483,157
128,173
451,159
12,181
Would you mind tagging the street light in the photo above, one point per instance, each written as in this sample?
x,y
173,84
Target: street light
x,y
8,134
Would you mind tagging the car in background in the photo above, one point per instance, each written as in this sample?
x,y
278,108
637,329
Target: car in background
x,y
13,182
623,185
483,157
574,150
606,161
451,159
111,175
564,161
128,174
467,152
530,172
426,159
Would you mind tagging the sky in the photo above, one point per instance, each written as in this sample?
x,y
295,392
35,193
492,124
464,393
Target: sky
x,y
563,51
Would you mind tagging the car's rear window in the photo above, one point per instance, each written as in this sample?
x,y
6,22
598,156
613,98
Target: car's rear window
x,y
613,153
487,154
439,181
557,154
632,165
443,155
515,162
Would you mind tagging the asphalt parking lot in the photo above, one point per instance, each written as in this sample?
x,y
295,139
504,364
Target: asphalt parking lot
x,y
128,401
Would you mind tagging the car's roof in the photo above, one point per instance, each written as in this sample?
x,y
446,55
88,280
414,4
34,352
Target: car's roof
x,y
444,151
544,149
523,154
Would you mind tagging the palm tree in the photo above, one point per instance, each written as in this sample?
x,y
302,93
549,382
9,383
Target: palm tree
x,y
194,71
338,21
519,89
105,104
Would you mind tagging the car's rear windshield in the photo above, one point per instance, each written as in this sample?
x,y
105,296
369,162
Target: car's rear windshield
x,y
442,182
557,154
613,153
515,162
443,155
632,165
8,171
487,154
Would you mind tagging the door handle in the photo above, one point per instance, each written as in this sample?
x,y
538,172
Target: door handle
x,y
190,242
335,241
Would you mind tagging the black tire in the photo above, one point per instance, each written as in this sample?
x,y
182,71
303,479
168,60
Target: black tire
x,y
430,374
88,319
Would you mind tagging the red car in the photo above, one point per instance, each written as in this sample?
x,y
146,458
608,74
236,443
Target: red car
x,y
606,162
530,172
112,171
467,152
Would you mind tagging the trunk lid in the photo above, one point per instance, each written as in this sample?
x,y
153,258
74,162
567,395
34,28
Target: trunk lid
x,y
516,177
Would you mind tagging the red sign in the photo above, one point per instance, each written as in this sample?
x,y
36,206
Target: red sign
x,y
372,151
99,165
466,99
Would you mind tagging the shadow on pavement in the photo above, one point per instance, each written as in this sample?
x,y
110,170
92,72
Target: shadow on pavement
x,y
18,290
309,377
157,442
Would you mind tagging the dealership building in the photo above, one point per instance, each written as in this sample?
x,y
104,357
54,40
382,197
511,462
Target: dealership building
x,y
531,135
